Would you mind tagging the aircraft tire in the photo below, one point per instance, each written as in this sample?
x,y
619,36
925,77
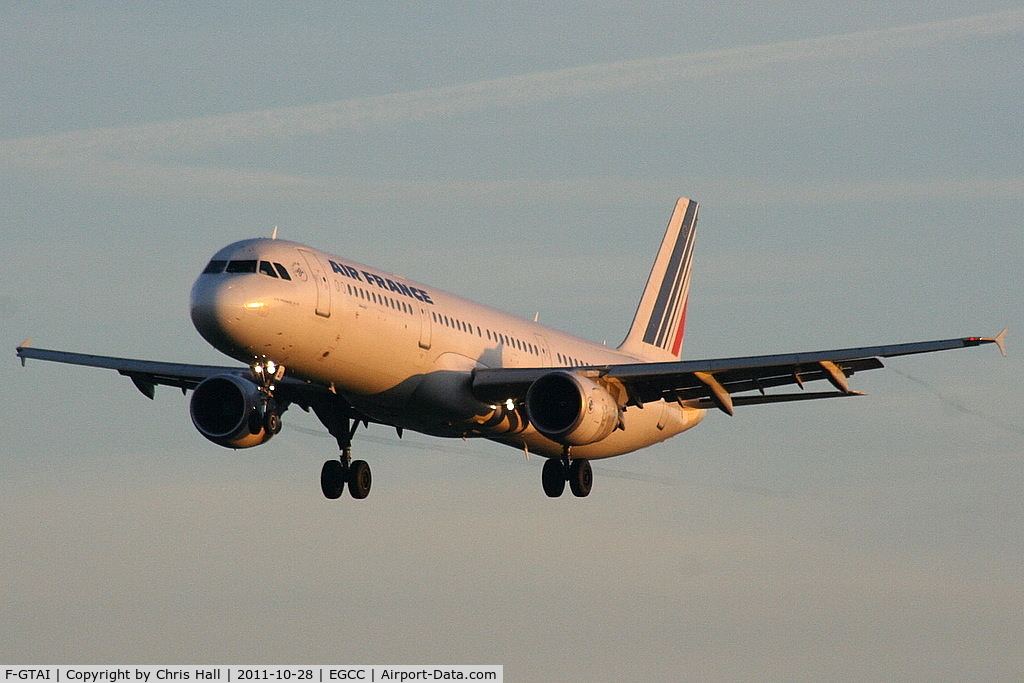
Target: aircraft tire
x,y
553,477
581,478
332,479
359,479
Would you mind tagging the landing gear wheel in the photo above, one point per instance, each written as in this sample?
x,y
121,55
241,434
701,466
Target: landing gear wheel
x,y
272,422
359,479
332,479
581,478
553,477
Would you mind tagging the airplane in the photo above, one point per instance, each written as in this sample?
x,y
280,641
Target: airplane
x,y
357,345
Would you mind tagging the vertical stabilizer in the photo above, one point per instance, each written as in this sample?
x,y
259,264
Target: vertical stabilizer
x,y
657,331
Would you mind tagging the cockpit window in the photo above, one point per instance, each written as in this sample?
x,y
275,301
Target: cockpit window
x,y
241,267
214,266
268,268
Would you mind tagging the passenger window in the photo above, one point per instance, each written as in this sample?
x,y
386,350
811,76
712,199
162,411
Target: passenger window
x,y
267,269
241,267
215,266
282,272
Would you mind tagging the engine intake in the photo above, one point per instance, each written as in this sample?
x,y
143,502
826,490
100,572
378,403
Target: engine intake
x,y
571,409
230,411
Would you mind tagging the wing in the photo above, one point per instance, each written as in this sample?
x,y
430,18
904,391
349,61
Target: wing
x,y
147,374
712,383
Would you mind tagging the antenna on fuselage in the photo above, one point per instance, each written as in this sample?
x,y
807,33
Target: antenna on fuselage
x,y
274,236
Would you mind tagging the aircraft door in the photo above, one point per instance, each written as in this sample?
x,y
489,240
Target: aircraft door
x,y
542,344
426,328
323,285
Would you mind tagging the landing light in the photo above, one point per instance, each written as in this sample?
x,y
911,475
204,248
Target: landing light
x,y
255,304
510,404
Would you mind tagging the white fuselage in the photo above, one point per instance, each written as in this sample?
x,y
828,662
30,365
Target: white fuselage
x,y
399,351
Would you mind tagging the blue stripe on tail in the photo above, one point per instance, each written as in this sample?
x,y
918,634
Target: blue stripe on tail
x,y
659,324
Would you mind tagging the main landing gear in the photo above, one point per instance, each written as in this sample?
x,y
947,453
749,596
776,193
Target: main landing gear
x,y
335,474
577,472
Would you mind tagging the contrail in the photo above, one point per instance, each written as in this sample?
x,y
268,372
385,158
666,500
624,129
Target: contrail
x,y
148,159
515,91
955,404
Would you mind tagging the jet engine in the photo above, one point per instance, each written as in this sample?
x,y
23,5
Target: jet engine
x,y
232,411
571,409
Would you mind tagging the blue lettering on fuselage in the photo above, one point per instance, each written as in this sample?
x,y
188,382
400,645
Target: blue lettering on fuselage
x,y
384,283
347,271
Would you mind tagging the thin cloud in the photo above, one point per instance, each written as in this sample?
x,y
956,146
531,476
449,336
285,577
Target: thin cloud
x,y
134,158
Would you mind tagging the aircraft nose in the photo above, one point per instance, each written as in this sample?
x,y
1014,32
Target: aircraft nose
x,y
219,309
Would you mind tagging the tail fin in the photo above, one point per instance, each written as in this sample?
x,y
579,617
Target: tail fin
x,y
657,331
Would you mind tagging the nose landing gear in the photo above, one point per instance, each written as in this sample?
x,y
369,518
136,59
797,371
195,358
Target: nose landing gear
x,y
269,417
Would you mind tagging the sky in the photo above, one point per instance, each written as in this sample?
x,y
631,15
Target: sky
x,y
860,178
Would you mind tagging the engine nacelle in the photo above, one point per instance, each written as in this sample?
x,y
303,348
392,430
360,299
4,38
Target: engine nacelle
x,y
230,411
570,409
